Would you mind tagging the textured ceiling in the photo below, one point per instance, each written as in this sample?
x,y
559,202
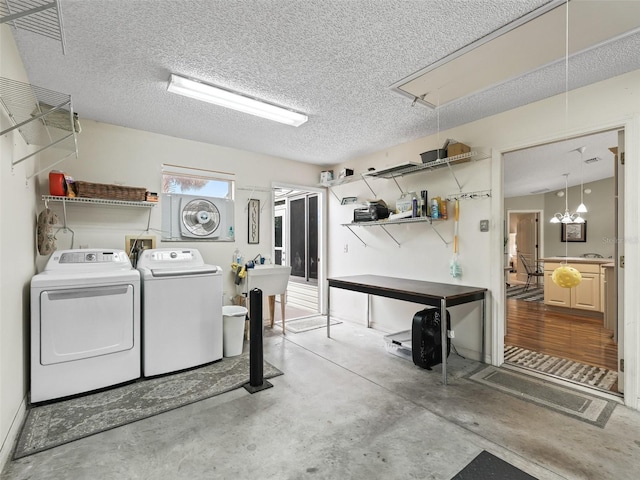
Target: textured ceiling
x,y
334,60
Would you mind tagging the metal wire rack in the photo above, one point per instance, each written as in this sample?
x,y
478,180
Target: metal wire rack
x,y
43,117
42,17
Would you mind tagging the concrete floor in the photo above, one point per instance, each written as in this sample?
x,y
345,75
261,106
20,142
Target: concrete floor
x,y
347,409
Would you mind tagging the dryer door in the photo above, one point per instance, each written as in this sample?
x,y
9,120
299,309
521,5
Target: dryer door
x,y
80,323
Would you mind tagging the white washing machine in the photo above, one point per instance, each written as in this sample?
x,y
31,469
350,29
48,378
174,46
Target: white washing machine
x,y
181,310
85,323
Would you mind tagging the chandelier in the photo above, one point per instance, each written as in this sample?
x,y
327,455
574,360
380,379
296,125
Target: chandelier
x,y
566,217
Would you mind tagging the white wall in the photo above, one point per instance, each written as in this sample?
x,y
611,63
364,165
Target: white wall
x,y
17,249
112,154
600,221
423,256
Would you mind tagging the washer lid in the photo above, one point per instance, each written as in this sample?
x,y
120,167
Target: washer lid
x,y
182,271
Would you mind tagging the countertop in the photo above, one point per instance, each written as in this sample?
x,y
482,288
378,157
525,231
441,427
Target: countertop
x,y
596,261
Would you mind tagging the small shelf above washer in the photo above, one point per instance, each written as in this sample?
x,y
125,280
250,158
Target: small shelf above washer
x,y
97,202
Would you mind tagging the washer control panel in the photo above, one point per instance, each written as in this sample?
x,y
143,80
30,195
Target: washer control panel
x,y
172,255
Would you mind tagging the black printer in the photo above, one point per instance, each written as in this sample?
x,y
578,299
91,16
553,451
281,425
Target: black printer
x,y
374,211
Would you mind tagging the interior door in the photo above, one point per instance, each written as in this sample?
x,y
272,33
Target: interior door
x,y
619,253
526,243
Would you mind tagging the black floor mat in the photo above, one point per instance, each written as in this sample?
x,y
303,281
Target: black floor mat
x,y
489,467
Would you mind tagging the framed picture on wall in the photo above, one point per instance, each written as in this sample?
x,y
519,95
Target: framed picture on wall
x,y
573,232
254,221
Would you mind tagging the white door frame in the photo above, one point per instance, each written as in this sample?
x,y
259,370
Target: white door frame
x,y
322,236
631,314
540,227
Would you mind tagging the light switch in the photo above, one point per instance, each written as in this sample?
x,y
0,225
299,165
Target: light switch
x,y
484,225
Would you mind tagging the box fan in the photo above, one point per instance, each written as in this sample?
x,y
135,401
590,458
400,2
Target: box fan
x,y
191,217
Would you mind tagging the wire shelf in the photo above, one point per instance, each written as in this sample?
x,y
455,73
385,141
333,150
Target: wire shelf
x,y
43,117
42,17
412,167
98,201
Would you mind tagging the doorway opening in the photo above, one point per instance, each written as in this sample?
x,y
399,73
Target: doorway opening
x,y
568,334
298,241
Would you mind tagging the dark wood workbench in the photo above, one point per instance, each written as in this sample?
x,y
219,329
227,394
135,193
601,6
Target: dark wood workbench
x,y
434,294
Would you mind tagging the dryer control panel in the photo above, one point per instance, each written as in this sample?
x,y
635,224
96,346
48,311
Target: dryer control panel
x,y
90,257
84,260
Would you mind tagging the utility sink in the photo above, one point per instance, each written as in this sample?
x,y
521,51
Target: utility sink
x,y
271,279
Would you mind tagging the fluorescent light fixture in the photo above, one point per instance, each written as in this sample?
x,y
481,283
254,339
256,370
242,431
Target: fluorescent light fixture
x,y
228,99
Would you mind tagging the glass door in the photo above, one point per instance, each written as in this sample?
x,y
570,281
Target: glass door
x,y
303,230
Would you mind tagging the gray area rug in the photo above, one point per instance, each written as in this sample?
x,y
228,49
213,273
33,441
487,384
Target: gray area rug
x,y
533,294
306,324
48,426
573,403
561,367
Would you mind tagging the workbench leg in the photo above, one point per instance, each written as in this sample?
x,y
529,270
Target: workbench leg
x,y
484,326
328,311
443,336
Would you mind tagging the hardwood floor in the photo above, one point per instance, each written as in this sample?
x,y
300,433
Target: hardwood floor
x,y
582,339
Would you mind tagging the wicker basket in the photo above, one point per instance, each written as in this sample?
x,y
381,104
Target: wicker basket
x,y
109,192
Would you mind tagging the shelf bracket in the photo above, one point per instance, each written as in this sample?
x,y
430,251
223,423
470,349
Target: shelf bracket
x,y
13,164
438,233
392,237
397,184
49,167
454,176
356,235
64,214
369,186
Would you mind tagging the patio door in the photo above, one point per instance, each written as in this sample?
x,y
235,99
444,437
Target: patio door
x,y
303,241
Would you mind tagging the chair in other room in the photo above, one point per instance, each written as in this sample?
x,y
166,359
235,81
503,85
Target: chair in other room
x,y
532,273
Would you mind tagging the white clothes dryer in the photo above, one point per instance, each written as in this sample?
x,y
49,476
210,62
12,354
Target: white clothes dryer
x,y
181,310
85,323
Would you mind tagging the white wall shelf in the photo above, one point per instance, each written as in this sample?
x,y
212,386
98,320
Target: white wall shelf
x,y
385,223
96,202
43,117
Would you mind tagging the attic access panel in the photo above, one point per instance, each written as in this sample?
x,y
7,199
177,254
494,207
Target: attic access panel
x,y
528,44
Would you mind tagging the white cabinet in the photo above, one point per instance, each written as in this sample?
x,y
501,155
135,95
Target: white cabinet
x,y
585,296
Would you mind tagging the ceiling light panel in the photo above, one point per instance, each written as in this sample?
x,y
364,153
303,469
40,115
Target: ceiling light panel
x,y
226,98
495,59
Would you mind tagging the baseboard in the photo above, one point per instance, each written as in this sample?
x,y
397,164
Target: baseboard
x,y
9,442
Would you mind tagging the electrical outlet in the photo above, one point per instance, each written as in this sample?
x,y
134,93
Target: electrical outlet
x,y
346,248
484,225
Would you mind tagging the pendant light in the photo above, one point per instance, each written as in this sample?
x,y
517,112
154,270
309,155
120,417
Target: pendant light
x,y
582,207
566,217
566,276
